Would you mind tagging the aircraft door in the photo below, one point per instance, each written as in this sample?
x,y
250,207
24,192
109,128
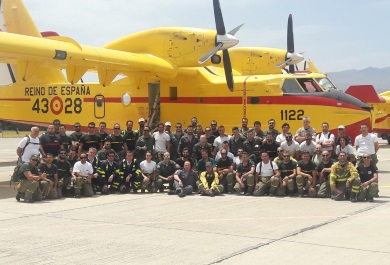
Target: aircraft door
x,y
99,106
154,103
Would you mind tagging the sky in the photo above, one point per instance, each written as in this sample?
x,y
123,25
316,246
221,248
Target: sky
x,y
336,35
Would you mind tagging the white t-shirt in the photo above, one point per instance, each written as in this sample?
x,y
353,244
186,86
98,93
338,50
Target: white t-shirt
x,y
161,139
366,144
237,160
325,138
280,138
219,141
147,168
84,169
292,148
308,148
266,169
31,149
347,149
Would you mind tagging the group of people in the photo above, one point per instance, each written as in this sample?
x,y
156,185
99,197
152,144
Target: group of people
x,y
250,161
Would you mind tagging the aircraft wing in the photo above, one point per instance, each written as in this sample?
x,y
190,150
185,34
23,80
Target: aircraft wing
x,y
30,53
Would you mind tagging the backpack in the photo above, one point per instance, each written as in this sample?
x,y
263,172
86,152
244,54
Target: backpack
x,y
15,175
27,143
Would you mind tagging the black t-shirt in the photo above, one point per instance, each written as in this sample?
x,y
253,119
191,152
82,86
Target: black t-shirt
x,y
287,169
307,168
321,166
366,173
63,168
224,164
241,168
89,141
50,171
271,149
50,144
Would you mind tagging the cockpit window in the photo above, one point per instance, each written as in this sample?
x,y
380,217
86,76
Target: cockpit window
x,y
300,85
309,85
326,84
291,86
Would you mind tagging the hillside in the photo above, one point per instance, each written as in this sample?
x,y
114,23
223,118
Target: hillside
x,y
378,77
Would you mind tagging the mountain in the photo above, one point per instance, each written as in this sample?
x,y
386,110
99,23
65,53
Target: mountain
x,y
378,77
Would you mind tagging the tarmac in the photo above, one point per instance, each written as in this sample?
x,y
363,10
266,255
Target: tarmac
x,y
162,229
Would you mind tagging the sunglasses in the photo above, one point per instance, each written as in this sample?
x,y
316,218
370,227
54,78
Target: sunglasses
x,y
91,127
366,157
325,155
286,156
117,128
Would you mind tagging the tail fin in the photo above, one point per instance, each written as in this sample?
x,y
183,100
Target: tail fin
x,y
365,93
17,18
14,18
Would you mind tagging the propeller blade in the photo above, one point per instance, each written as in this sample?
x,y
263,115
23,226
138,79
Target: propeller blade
x,y
283,63
220,25
209,54
291,69
234,31
290,35
228,70
304,65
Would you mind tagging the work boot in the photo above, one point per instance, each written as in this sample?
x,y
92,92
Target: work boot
x,y
182,194
353,197
29,200
171,192
19,195
370,199
212,194
202,193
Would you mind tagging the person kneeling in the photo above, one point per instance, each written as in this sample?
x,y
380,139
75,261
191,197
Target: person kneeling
x,y
209,182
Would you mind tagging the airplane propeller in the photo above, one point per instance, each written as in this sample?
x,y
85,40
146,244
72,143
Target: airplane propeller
x,y
223,42
292,58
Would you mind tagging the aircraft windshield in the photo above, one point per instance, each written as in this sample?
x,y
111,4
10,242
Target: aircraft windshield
x,y
326,84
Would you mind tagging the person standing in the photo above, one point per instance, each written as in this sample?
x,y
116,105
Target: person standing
x,y
366,143
50,142
28,146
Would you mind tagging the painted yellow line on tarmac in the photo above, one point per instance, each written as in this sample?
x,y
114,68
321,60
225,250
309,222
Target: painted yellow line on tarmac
x,y
384,186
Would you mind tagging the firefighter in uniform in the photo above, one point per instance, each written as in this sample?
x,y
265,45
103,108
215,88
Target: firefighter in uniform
x,y
344,178
109,172
209,182
130,173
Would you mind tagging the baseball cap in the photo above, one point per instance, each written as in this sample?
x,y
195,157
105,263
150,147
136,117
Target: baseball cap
x,y
341,127
35,157
208,164
257,146
168,123
141,119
